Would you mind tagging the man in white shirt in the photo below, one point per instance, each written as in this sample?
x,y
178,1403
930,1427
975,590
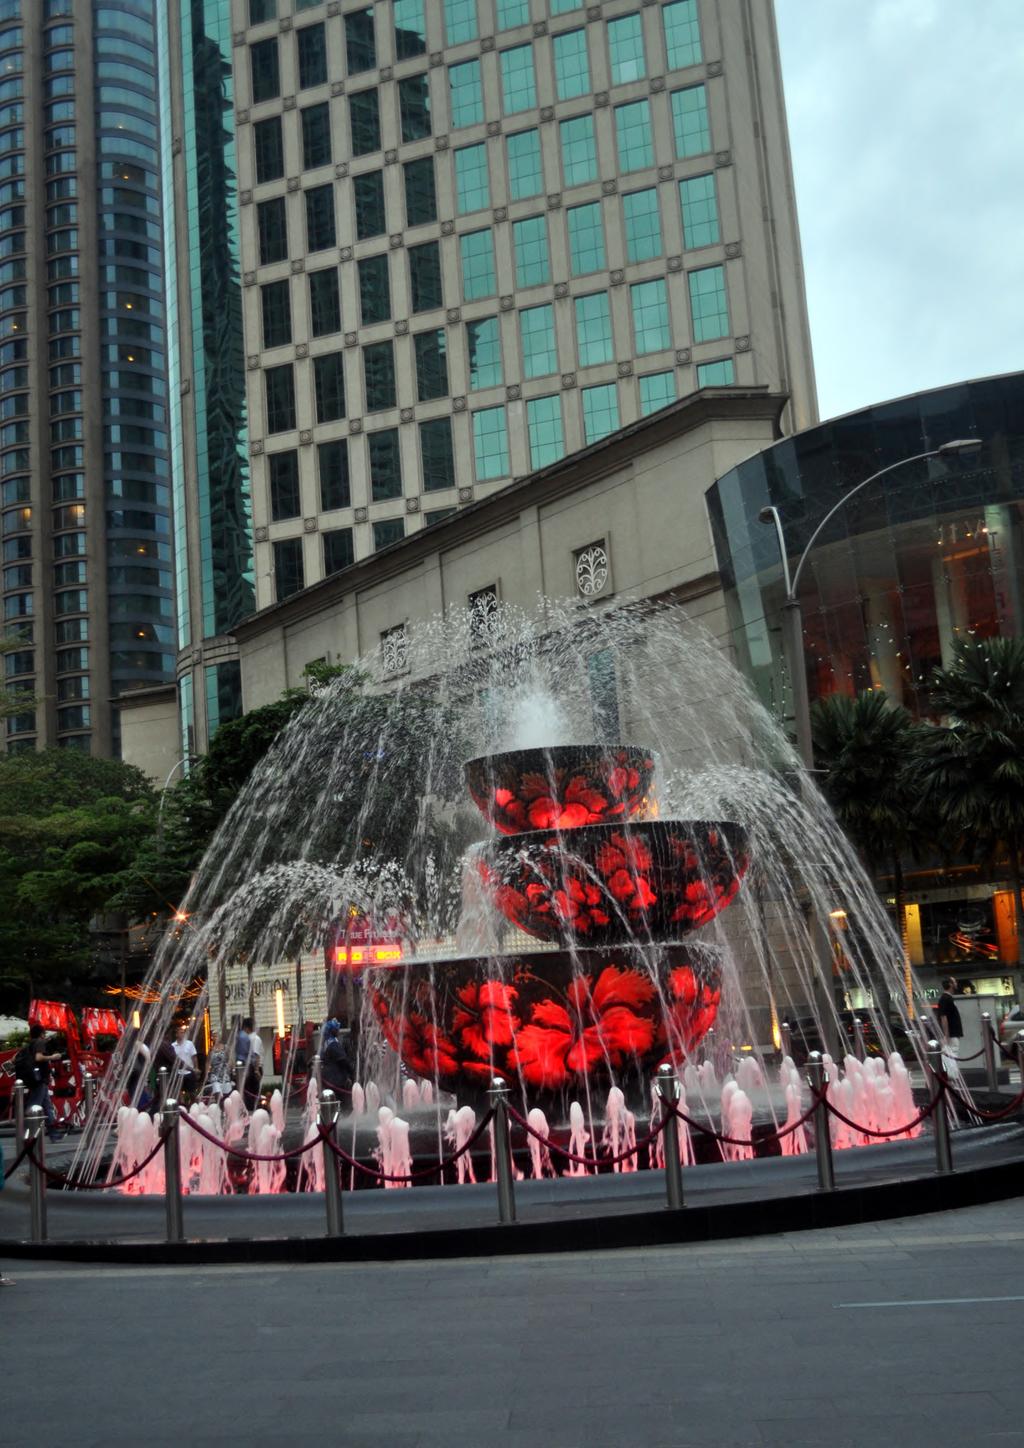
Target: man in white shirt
x,y
185,1051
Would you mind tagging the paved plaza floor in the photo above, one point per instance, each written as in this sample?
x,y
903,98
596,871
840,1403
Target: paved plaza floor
x,y
899,1333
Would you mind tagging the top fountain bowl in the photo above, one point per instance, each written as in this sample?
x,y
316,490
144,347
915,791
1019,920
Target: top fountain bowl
x,y
564,787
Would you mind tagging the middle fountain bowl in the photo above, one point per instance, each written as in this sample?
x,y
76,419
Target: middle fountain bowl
x,y
563,787
616,884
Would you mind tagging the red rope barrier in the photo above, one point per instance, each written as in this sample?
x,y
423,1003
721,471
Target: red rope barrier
x,y
79,1186
587,1160
896,1131
978,1110
776,1135
22,1154
427,1171
241,1151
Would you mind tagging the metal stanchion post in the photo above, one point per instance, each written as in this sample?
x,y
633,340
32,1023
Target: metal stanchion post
x,y
89,1093
19,1113
171,1124
332,1182
497,1094
817,1078
239,1076
786,1034
943,1147
318,1076
668,1090
859,1048
988,1045
37,1177
161,1087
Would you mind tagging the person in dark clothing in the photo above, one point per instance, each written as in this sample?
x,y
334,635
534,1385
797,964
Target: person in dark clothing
x,y
950,1023
337,1070
39,1086
253,1073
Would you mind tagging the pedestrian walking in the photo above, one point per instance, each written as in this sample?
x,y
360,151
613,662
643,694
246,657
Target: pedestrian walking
x,y
950,1023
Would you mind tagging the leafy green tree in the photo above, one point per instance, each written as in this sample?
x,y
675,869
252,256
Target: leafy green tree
x,y
14,700
970,768
864,746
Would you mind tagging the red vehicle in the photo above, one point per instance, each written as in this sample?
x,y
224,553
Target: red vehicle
x,y
81,1054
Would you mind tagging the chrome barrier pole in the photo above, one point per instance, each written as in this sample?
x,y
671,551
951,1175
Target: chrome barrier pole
x,y
943,1147
329,1110
988,1045
786,1035
161,1087
37,1177
318,1076
668,1089
860,1050
89,1091
497,1095
817,1079
171,1123
19,1113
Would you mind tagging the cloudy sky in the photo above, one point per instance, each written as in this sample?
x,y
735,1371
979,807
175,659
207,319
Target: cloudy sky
x,y
907,127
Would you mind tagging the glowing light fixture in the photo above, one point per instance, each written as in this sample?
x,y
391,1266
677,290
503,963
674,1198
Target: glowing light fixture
x,y
137,1020
279,1004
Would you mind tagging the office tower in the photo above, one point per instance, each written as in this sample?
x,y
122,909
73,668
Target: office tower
x,y
84,455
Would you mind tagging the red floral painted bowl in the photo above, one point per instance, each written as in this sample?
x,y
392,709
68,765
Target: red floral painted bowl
x,y
564,787
549,1021
617,884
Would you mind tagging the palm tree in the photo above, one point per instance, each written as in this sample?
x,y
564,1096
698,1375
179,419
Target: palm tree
x,y
970,768
863,746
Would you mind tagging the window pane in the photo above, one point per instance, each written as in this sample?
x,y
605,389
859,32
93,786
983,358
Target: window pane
x,y
316,136
410,29
579,152
420,193
700,211
374,289
414,106
530,241
477,252
594,329
312,49
633,135
682,33
708,304
288,575
273,232
537,331
437,454
572,68
600,411
280,398
268,149
657,389
562,7
339,552
431,364
360,46
283,470
586,238
544,425
379,374
437,515
368,193
320,218
626,49
332,465
483,351
260,10
425,276
525,170
388,531
459,21
716,374
329,386
517,82
650,316
277,314
690,121
472,183
385,465
364,116
266,79
467,102
490,443
512,13
643,225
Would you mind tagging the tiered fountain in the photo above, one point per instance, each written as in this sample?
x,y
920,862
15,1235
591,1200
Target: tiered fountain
x,y
582,863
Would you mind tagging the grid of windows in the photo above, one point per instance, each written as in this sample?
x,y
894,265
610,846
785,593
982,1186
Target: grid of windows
x,y
483,353
579,150
511,13
586,238
459,21
634,137
700,211
572,66
537,331
708,305
600,411
518,84
716,374
466,97
657,390
530,244
477,253
525,169
544,428
594,329
682,33
490,443
472,183
626,49
642,218
651,329
690,121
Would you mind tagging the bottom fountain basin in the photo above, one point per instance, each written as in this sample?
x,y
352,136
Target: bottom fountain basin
x,y
550,1020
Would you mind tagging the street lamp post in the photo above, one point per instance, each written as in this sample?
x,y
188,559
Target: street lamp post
x,y
792,616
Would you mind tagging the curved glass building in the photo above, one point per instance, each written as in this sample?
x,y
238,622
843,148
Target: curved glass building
x,y
932,552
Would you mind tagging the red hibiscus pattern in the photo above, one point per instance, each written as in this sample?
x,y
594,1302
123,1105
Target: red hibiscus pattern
x,y
563,788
